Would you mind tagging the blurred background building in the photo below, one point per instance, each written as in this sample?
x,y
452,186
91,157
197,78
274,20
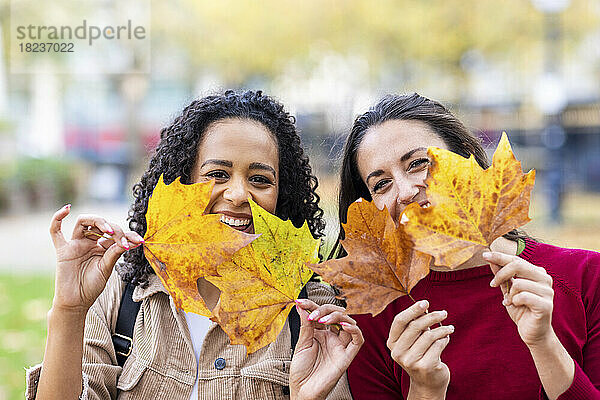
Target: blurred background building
x,y
530,68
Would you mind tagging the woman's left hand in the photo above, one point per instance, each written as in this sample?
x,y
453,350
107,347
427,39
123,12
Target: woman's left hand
x,y
528,295
322,353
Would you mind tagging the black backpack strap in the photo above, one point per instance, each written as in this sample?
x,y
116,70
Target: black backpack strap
x,y
123,336
294,322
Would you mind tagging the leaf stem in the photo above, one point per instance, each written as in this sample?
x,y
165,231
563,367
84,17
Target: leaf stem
x,y
415,302
88,234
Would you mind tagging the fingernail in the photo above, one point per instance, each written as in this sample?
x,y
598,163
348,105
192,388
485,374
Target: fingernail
x,y
108,228
451,328
493,283
124,243
67,206
344,324
324,319
444,313
423,304
486,254
314,315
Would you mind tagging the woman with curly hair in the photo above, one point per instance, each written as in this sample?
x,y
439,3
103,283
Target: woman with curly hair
x,y
247,143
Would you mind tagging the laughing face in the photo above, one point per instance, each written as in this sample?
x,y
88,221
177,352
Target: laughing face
x,y
392,161
242,157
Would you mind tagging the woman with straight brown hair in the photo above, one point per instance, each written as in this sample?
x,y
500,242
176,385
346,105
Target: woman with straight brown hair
x,y
538,339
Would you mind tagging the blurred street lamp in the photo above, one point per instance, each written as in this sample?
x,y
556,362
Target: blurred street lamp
x,y
133,89
550,98
551,6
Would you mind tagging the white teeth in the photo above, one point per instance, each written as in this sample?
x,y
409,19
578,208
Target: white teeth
x,y
234,221
403,219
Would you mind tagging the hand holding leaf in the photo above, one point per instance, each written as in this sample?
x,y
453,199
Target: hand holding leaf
x,y
323,353
470,208
381,265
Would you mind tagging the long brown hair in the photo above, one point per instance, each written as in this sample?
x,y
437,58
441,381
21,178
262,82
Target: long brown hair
x,y
402,107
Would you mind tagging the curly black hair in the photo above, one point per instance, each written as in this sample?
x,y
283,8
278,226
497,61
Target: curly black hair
x,y
176,153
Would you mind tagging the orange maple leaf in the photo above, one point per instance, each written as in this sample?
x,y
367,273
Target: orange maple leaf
x,y
183,244
381,264
470,206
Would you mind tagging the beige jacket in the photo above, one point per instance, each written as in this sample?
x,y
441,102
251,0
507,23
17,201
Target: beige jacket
x,y
162,364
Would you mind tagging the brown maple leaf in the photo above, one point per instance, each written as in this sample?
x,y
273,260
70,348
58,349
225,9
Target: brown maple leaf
x,y
381,264
183,244
470,206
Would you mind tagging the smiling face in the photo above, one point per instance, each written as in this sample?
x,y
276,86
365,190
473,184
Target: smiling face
x,y
242,157
392,162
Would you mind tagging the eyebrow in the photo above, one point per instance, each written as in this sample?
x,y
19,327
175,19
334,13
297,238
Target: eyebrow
x,y
374,174
224,163
379,172
258,165
254,165
410,153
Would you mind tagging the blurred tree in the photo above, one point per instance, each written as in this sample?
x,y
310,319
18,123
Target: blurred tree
x,y
245,39
249,39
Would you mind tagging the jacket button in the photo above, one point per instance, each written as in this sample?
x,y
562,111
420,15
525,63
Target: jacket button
x,y
220,363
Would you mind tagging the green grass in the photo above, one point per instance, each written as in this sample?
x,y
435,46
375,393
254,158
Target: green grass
x,y
25,300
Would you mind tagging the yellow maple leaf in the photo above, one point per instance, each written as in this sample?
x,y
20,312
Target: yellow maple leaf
x,y
381,264
470,206
183,244
259,285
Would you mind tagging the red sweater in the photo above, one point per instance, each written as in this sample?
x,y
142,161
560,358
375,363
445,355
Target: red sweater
x,y
487,358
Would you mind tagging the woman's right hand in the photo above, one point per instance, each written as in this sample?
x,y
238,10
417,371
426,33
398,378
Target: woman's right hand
x,y
417,347
322,354
84,263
